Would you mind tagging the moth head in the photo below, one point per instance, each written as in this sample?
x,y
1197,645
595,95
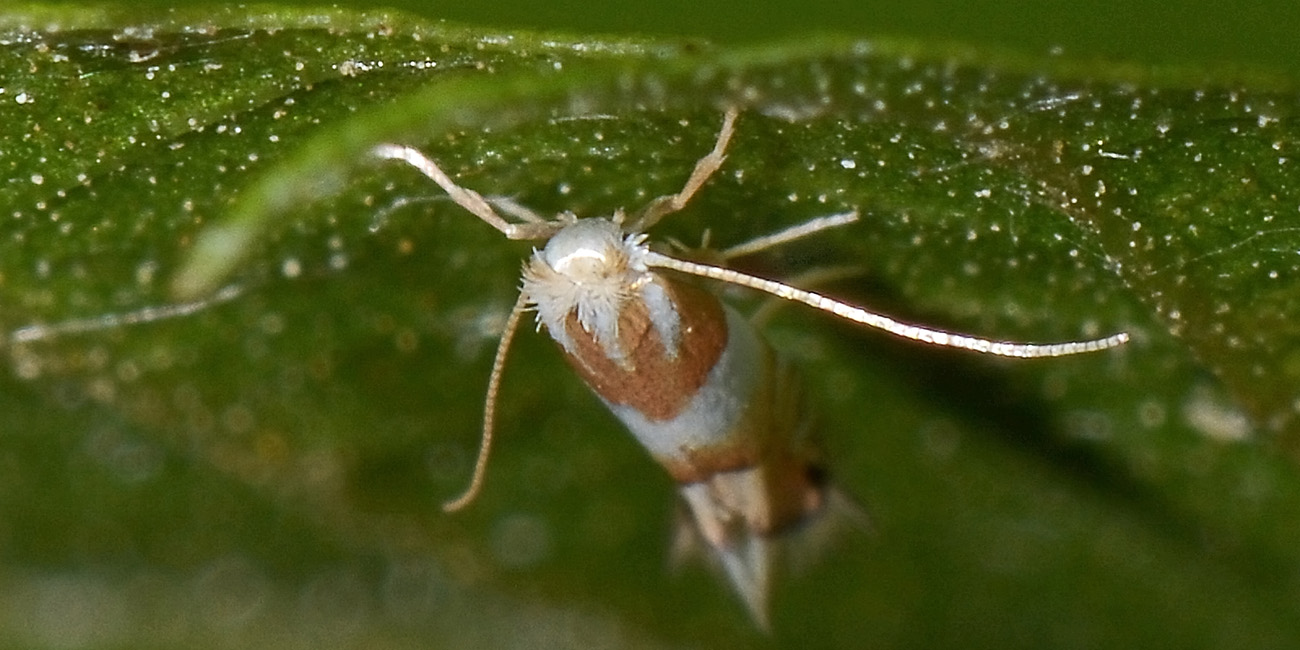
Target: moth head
x,y
590,269
589,252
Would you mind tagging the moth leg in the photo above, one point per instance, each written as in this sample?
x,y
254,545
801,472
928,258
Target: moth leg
x,y
464,197
517,210
704,168
793,233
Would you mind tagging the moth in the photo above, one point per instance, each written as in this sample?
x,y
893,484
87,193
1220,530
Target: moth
x,y
690,377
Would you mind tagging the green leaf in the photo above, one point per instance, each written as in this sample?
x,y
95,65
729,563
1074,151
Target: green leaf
x,y
264,457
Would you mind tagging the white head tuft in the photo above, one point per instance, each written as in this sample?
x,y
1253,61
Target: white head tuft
x,y
589,268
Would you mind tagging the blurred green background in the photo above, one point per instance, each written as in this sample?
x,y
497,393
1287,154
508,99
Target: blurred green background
x,y
1191,31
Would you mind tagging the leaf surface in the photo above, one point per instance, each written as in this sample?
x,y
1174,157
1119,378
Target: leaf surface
x,y
266,454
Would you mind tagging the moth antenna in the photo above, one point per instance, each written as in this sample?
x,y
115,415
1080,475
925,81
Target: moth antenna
x,y
879,321
463,196
811,278
490,408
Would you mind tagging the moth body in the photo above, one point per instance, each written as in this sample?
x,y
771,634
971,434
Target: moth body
x,y
690,378
694,382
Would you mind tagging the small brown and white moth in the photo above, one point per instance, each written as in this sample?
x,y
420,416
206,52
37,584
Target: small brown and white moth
x,y
690,377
